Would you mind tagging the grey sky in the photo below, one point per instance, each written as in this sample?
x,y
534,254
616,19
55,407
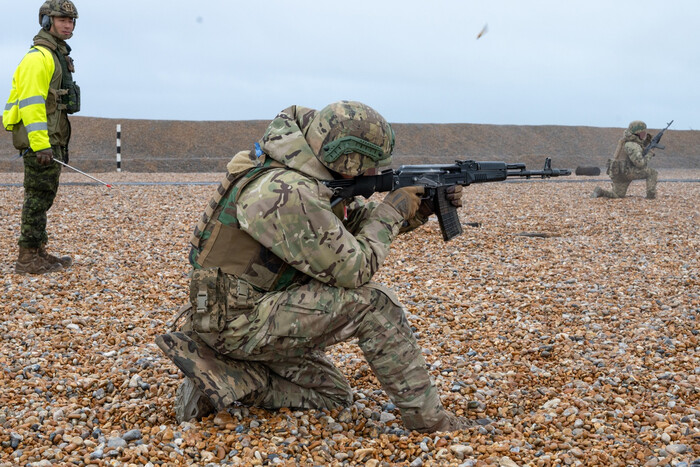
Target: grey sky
x,y
594,63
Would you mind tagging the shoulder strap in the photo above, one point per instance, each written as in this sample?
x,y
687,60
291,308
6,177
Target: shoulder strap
x,y
44,43
226,185
64,60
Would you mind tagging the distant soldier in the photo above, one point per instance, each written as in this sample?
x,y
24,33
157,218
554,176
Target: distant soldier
x,y
43,94
630,163
279,275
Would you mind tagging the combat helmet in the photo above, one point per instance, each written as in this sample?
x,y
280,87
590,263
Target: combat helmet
x,y
350,138
51,8
637,127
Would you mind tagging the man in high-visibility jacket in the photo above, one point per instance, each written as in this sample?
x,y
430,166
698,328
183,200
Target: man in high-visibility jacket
x,y
43,94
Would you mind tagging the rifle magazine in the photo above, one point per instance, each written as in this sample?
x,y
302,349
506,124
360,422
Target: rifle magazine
x,y
450,226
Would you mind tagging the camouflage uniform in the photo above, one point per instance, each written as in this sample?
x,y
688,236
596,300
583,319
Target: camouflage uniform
x,y
630,164
302,280
40,188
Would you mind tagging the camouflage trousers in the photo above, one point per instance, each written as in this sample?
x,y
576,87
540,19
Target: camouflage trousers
x,y
40,188
276,357
621,182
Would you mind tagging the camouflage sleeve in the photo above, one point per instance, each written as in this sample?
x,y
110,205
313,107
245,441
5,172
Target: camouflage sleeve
x,y
412,224
634,152
290,214
357,211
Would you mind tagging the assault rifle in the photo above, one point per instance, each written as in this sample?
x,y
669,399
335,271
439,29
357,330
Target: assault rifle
x,y
655,141
436,178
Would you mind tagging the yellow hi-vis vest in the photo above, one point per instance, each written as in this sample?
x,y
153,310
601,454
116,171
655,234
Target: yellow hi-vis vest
x,y
32,111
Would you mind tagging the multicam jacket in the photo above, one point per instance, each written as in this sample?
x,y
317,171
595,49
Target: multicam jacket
x,y
271,222
629,156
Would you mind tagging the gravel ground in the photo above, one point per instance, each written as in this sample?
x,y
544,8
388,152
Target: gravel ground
x,y
567,327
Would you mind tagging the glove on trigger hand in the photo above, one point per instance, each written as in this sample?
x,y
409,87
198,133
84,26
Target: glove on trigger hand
x,y
405,200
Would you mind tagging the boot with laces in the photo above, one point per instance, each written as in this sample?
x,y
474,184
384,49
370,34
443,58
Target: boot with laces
x,y
65,261
30,261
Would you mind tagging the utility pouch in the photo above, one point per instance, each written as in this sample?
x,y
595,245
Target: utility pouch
x,y
72,99
208,299
68,99
20,138
616,167
217,297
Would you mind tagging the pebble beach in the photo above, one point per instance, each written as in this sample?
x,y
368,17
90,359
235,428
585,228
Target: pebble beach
x,y
567,328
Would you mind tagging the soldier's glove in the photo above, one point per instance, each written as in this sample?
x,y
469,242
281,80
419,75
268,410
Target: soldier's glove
x,y
65,155
405,200
44,157
453,195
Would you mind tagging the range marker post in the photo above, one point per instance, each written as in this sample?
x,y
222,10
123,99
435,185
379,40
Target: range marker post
x,y
119,148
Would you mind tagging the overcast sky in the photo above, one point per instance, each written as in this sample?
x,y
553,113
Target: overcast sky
x,y
541,62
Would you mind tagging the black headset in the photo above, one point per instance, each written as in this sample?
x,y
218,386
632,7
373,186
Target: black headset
x,y
46,22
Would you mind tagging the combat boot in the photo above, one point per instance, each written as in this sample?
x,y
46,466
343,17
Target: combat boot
x,y
65,261
597,193
30,261
448,422
221,379
191,403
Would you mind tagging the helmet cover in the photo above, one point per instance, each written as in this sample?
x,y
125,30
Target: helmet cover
x,y
64,8
637,127
350,138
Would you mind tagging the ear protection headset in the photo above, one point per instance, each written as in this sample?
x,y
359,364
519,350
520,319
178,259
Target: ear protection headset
x,y
46,22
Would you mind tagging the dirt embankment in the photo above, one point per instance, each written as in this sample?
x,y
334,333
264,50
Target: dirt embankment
x,y
206,146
